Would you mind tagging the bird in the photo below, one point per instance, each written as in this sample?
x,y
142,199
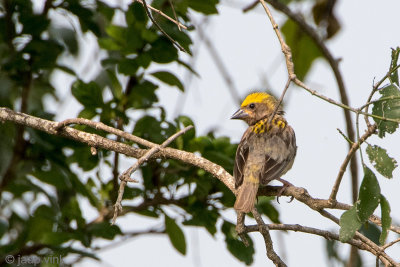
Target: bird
x,y
266,151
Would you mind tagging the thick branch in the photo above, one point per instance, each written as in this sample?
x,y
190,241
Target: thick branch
x,y
96,141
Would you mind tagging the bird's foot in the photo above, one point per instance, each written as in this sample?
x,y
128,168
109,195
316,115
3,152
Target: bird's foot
x,y
286,184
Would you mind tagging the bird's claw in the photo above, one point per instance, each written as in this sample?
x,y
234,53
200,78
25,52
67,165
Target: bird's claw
x,y
286,184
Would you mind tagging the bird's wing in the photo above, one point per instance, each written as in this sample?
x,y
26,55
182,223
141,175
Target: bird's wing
x,y
281,151
242,154
272,169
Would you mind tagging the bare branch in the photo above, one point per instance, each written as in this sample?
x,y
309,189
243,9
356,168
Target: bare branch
x,y
125,177
285,48
304,229
180,25
161,29
106,128
93,140
263,229
97,141
391,243
371,130
176,18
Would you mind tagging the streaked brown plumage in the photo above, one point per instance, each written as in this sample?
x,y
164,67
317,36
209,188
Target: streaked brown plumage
x,y
266,150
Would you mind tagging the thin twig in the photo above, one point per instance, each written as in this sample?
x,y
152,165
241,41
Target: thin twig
x,y
344,136
390,243
106,128
375,88
180,25
285,48
263,229
334,66
173,11
250,6
161,30
125,177
309,230
280,100
371,130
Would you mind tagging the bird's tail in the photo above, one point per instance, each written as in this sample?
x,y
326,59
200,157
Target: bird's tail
x,y
247,195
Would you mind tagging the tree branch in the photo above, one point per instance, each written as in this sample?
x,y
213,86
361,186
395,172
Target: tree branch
x,y
263,229
97,141
370,131
180,25
332,62
125,177
161,29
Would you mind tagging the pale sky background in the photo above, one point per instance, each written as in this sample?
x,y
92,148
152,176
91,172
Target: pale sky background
x,y
251,52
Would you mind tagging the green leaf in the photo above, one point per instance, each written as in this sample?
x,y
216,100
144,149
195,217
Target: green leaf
x,y
53,176
394,77
143,95
56,238
163,51
41,223
371,231
369,195
303,48
136,13
175,235
88,94
3,227
206,7
109,44
235,246
67,37
381,161
388,109
201,215
87,113
84,158
118,33
128,66
265,206
116,87
386,219
349,224
168,78
104,230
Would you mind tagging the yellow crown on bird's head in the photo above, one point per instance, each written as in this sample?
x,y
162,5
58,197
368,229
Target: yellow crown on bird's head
x,y
259,97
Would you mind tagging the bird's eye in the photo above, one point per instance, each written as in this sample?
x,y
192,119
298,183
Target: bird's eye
x,y
252,106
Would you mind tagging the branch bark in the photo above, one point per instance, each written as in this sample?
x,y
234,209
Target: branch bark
x,y
217,171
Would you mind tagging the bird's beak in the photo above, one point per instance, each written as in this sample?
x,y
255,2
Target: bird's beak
x,y
239,115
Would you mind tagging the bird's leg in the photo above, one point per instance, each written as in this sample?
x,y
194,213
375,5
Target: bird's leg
x,y
286,184
240,227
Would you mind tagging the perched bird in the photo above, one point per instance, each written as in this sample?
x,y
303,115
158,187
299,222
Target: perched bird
x,y
266,150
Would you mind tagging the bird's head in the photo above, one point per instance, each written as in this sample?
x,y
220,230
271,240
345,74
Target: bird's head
x,y
255,107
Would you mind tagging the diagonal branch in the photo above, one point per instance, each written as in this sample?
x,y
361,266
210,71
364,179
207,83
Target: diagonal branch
x,y
97,141
370,131
161,29
263,229
180,25
334,66
125,177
